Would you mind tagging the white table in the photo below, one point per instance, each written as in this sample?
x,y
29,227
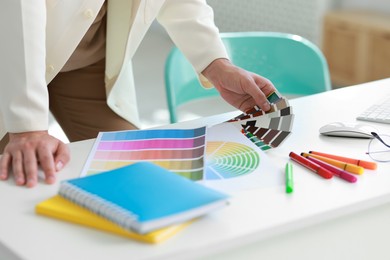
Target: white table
x,y
320,220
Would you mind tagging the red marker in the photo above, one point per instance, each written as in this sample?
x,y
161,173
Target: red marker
x,y
311,165
336,171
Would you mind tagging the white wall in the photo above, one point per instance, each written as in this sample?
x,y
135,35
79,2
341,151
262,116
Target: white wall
x,y
302,17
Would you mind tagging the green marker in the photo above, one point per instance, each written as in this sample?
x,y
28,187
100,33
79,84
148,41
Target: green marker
x,y
289,178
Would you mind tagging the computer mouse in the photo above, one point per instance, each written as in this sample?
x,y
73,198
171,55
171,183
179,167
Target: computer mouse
x,y
356,130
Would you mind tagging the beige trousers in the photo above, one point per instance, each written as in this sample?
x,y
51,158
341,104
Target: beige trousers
x,y
77,100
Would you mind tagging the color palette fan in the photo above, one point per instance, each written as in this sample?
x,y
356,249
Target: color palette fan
x,y
266,129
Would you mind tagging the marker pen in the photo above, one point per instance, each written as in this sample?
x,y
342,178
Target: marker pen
x,y
365,164
289,178
352,168
311,165
338,172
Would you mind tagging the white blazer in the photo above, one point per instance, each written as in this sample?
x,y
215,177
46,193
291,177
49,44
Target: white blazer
x,y
40,35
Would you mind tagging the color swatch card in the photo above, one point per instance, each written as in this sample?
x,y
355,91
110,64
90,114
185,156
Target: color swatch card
x,y
178,150
266,129
142,197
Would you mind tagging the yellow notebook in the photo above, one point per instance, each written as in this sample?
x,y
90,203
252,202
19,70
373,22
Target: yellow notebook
x,y
58,207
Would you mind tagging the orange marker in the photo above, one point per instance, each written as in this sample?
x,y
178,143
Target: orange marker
x,y
362,163
352,168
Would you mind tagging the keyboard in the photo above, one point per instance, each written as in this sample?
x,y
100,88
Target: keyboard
x,y
378,112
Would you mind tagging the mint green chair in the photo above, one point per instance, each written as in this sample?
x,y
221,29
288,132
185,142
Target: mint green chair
x,y
294,65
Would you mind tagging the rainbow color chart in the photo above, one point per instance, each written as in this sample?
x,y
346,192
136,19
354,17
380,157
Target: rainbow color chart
x,y
229,159
179,150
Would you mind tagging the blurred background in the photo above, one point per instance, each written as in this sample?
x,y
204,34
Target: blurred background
x,y
353,34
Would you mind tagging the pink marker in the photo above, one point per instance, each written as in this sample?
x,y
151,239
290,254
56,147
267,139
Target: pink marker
x,y
336,171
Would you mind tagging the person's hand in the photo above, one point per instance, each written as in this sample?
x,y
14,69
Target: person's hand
x,y
25,152
240,88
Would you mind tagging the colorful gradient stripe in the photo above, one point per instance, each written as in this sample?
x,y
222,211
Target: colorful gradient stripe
x,y
151,144
191,169
176,166
153,134
179,150
169,154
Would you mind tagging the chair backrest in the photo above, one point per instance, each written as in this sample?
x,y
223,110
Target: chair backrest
x,y
293,64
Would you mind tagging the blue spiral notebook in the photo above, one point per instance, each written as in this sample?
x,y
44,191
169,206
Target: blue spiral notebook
x,y
142,197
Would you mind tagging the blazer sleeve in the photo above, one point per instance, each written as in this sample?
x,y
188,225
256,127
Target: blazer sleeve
x,y
24,95
190,24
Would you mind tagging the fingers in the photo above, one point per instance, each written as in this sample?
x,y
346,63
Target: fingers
x,y
16,160
25,152
240,88
30,168
25,168
46,161
263,88
17,168
254,87
54,160
265,85
62,156
5,162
